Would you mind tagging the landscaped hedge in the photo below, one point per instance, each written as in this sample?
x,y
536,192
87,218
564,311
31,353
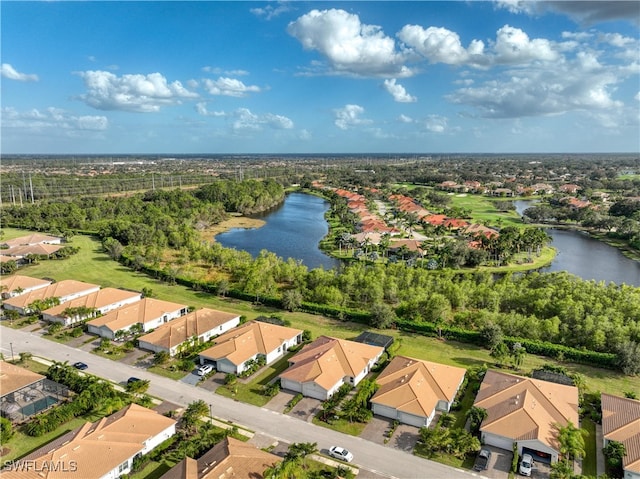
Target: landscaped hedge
x,y
543,348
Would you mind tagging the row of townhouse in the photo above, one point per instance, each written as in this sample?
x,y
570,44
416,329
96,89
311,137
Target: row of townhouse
x,y
36,244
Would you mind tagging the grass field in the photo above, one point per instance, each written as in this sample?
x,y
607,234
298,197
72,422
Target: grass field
x,y
94,266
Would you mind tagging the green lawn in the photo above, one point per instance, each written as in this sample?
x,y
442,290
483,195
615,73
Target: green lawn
x,y
483,210
251,392
21,444
92,265
589,467
343,426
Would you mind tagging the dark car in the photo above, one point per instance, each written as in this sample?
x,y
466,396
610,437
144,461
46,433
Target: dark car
x,y
80,365
132,380
482,461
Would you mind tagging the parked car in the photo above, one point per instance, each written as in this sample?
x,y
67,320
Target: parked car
x,y
205,369
526,465
482,460
80,365
133,380
340,453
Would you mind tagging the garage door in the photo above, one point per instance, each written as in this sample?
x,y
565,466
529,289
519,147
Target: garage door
x,y
538,456
411,419
498,441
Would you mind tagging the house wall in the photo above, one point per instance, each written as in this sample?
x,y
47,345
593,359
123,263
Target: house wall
x,y
403,417
224,366
631,475
155,441
165,318
102,331
119,304
152,347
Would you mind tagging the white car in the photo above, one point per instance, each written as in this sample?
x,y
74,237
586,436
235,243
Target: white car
x,y
205,369
340,453
526,465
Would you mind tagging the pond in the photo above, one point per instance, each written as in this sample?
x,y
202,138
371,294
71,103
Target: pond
x,y
584,256
292,230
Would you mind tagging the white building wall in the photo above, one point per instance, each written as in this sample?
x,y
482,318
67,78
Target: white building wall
x,y
79,294
294,386
315,391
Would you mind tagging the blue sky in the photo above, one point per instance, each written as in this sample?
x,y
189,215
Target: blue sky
x,y
320,77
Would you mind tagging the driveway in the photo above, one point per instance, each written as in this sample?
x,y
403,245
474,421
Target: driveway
x,y
280,401
377,429
404,438
499,465
213,382
305,409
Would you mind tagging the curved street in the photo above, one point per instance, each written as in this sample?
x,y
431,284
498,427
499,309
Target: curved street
x,y
367,455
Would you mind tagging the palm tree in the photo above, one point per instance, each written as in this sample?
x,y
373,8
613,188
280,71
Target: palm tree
x,y
571,441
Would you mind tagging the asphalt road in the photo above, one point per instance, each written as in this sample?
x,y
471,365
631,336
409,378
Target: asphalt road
x,y
367,455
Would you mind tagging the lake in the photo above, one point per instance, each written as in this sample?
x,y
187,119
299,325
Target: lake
x,y
295,228
292,230
584,256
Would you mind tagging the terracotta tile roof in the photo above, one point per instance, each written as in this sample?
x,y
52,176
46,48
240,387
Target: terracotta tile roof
x,y
229,459
193,324
100,299
148,309
523,408
97,448
621,422
43,249
15,281
13,377
35,238
245,341
328,360
415,386
55,290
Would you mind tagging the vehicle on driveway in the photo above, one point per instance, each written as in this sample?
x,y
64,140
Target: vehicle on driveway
x,y
205,369
482,460
79,365
340,453
526,465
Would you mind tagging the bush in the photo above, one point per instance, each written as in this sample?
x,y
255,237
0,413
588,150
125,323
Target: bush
x,y
6,430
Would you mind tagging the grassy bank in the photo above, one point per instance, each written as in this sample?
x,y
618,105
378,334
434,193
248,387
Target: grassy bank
x,y
94,266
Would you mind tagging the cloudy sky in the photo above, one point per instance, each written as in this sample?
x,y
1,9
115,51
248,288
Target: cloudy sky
x,y
320,77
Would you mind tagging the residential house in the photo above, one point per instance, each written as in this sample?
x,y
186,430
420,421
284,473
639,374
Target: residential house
x,y
412,390
102,450
200,326
229,459
17,284
321,367
621,423
100,302
24,393
32,239
526,412
66,290
234,350
148,313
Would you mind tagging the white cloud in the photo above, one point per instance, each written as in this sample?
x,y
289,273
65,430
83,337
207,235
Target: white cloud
x,y
439,45
201,108
139,93
243,119
7,71
516,6
514,46
51,119
637,97
350,47
269,12
405,119
349,116
436,123
398,92
219,71
229,87
552,91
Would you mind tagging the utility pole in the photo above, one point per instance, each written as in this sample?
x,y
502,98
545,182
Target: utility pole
x,y
31,185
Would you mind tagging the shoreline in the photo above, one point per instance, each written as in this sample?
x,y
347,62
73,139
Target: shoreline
x,y
236,221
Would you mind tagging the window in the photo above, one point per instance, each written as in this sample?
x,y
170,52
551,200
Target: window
x,y
123,467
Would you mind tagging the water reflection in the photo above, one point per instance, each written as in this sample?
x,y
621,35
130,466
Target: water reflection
x,y
579,254
292,230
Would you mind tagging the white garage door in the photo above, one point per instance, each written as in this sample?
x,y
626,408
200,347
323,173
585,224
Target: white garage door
x,y
498,441
411,419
